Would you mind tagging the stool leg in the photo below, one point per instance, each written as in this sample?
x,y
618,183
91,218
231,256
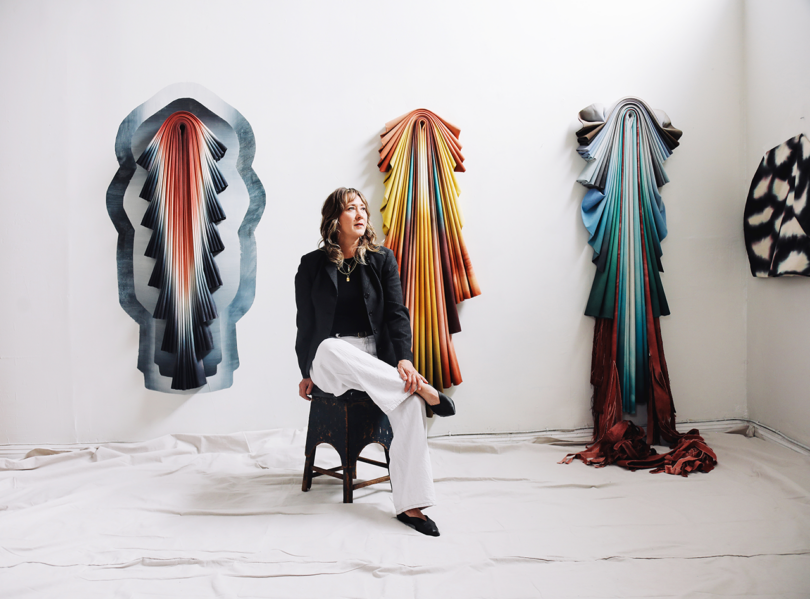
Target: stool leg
x,y
388,465
348,482
306,484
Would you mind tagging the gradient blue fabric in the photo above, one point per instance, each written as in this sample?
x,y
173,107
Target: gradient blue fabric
x,y
625,148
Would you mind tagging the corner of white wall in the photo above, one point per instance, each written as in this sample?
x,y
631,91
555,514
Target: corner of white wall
x,y
777,92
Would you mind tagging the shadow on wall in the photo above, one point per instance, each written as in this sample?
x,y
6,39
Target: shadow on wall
x,y
373,182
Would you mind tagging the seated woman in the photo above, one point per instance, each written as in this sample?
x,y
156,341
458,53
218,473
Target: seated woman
x,y
354,332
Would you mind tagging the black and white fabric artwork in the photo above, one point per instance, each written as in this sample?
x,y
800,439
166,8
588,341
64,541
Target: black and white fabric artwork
x,y
777,219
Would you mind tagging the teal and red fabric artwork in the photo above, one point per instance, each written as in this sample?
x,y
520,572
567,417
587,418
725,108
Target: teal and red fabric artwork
x,y
625,148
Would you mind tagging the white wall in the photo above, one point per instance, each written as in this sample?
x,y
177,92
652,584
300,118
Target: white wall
x,y
778,90
317,81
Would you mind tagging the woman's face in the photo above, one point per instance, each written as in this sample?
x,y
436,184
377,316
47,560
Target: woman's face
x,y
352,223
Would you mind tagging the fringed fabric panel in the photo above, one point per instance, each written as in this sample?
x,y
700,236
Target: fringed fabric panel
x,y
625,148
182,185
422,222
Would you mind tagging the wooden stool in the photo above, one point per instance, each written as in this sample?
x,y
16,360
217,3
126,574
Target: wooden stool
x,y
348,423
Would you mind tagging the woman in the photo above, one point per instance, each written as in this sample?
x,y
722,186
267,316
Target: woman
x,y
354,332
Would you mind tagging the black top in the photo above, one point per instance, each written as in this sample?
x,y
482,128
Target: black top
x,y
316,297
350,313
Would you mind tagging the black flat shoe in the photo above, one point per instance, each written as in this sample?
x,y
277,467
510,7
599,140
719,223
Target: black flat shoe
x,y
426,526
445,407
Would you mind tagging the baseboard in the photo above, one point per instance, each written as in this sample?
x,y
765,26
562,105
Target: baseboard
x,y
770,434
576,436
19,451
582,435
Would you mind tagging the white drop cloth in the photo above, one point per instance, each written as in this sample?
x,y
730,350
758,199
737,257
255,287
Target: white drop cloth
x,y
224,516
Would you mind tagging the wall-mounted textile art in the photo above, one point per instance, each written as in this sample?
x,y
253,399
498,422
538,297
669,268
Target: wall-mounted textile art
x,y
625,148
185,214
422,222
776,216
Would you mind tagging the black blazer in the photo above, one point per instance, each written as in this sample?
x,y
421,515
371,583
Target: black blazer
x,y
316,300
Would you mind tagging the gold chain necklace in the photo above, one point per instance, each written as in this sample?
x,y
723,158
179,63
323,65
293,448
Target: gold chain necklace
x,y
348,271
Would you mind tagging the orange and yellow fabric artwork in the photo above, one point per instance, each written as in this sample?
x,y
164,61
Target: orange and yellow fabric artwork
x,y
422,223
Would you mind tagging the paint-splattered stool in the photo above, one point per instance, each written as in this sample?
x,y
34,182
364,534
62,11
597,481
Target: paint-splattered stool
x,y
348,423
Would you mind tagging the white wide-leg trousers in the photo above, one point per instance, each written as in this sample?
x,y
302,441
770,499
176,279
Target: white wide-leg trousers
x,y
347,363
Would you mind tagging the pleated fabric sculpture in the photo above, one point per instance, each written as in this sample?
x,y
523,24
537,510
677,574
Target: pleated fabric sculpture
x,y
182,185
170,269
422,222
625,148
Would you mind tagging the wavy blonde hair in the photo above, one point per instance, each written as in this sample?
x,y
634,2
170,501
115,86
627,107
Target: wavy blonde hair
x,y
333,207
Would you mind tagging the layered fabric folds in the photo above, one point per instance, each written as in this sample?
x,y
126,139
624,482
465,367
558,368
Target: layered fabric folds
x,y
182,187
625,157
422,222
625,148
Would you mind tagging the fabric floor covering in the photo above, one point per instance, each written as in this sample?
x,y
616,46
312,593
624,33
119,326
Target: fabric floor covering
x,y
224,516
